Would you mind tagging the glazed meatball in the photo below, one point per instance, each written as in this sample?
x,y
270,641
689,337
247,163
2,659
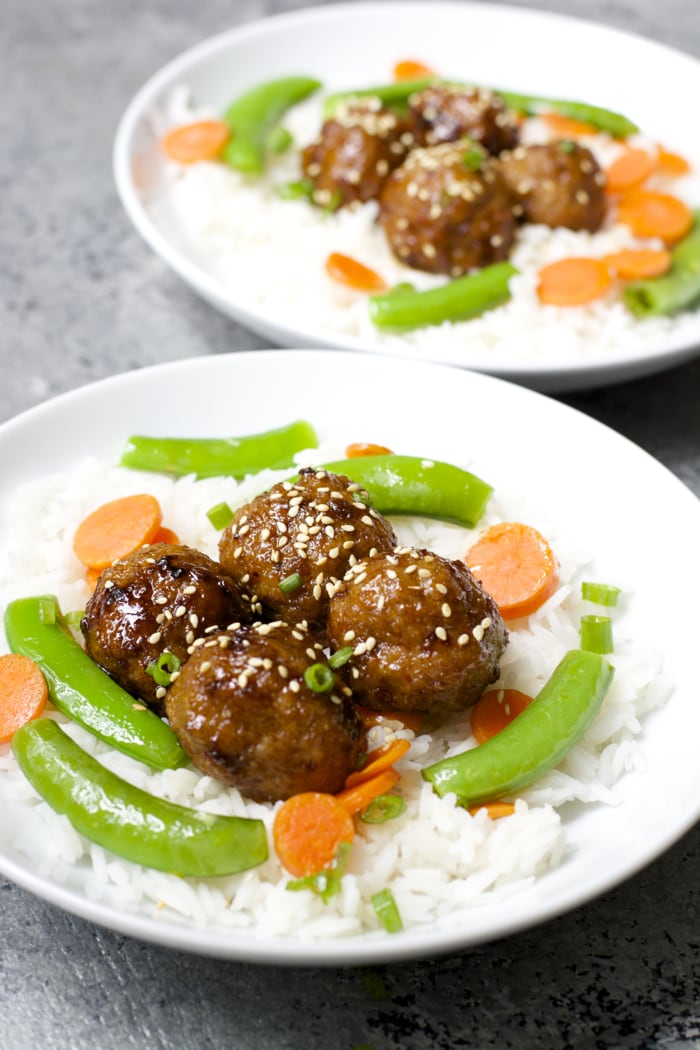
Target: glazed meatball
x,y
356,149
315,529
557,184
426,636
448,210
447,112
244,714
157,600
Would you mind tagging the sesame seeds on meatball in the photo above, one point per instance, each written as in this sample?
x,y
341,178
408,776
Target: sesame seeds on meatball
x,y
447,112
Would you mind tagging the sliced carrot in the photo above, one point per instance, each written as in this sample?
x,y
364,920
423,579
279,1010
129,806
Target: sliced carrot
x,y
414,720
516,566
631,264
655,215
307,830
631,168
92,576
116,529
412,69
567,127
346,270
366,448
165,535
190,143
354,799
23,693
495,810
496,709
379,760
573,282
671,164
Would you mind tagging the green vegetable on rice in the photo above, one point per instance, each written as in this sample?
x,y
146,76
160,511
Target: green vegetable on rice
x,y
677,290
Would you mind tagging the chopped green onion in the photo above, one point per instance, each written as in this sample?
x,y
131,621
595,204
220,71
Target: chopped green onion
x,y
326,883
74,618
220,515
567,146
279,140
290,583
600,593
300,189
340,657
383,808
386,911
47,610
596,634
473,159
319,678
163,669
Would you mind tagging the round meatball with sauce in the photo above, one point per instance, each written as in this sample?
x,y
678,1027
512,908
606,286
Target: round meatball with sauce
x,y
290,546
448,210
355,151
156,601
557,183
425,635
245,714
447,112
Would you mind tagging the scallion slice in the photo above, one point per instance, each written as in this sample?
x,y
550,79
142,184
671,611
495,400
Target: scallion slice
x,y
597,634
600,593
383,808
386,910
326,883
47,610
340,657
74,618
290,583
220,515
319,678
163,669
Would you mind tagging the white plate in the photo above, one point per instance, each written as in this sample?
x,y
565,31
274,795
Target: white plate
x,y
602,491
356,44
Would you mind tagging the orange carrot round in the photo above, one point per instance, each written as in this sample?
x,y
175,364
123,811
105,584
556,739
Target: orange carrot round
x,y
414,720
412,69
655,215
116,529
573,282
566,127
671,164
307,830
348,271
165,535
494,710
23,693
355,798
366,448
516,566
495,810
379,760
191,143
631,264
631,168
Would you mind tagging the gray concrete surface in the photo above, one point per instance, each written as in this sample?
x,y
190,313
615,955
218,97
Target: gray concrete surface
x,y
81,298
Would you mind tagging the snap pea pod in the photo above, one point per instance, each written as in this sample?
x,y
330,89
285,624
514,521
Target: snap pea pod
x,y
535,741
414,485
401,309
127,820
215,457
83,691
253,116
678,289
398,94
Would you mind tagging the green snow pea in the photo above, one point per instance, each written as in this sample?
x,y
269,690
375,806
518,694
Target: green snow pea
x,y
82,690
418,485
678,289
216,457
253,116
535,741
402,309
127,820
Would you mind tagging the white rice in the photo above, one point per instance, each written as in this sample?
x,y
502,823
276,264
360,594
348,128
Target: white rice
x,y
435,857
270,254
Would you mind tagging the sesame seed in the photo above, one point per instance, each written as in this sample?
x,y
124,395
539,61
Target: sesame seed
x,y
160,692
180,611
441,633
204,666
160,600
348,636
155,638
294,685
446,610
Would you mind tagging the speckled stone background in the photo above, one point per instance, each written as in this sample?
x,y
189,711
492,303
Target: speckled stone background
x,y
82,297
